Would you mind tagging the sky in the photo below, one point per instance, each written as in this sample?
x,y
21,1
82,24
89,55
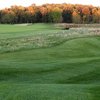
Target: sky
x,y
8,3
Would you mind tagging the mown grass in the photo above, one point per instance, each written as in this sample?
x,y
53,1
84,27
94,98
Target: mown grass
x,y
69,70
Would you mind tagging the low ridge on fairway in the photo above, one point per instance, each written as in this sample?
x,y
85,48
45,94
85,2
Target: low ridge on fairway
x,y
43,62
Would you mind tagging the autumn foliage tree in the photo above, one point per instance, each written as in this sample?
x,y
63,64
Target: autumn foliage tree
x,y
76,18
96,15
51,13
86,13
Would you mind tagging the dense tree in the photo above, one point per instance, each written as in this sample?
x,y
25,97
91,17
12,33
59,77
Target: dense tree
x,y
86,14
55,13
53,16
76,18
96,15
8,18
67,16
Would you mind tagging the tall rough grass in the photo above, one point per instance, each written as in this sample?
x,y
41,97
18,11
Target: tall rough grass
x,y
43,40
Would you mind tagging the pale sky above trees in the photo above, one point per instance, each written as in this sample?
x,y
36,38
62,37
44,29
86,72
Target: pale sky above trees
x,y
8,3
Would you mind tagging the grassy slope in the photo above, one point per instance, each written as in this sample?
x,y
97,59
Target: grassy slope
x,y
70,71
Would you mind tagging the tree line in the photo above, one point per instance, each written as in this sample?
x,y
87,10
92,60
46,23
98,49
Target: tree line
x,y
51,13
